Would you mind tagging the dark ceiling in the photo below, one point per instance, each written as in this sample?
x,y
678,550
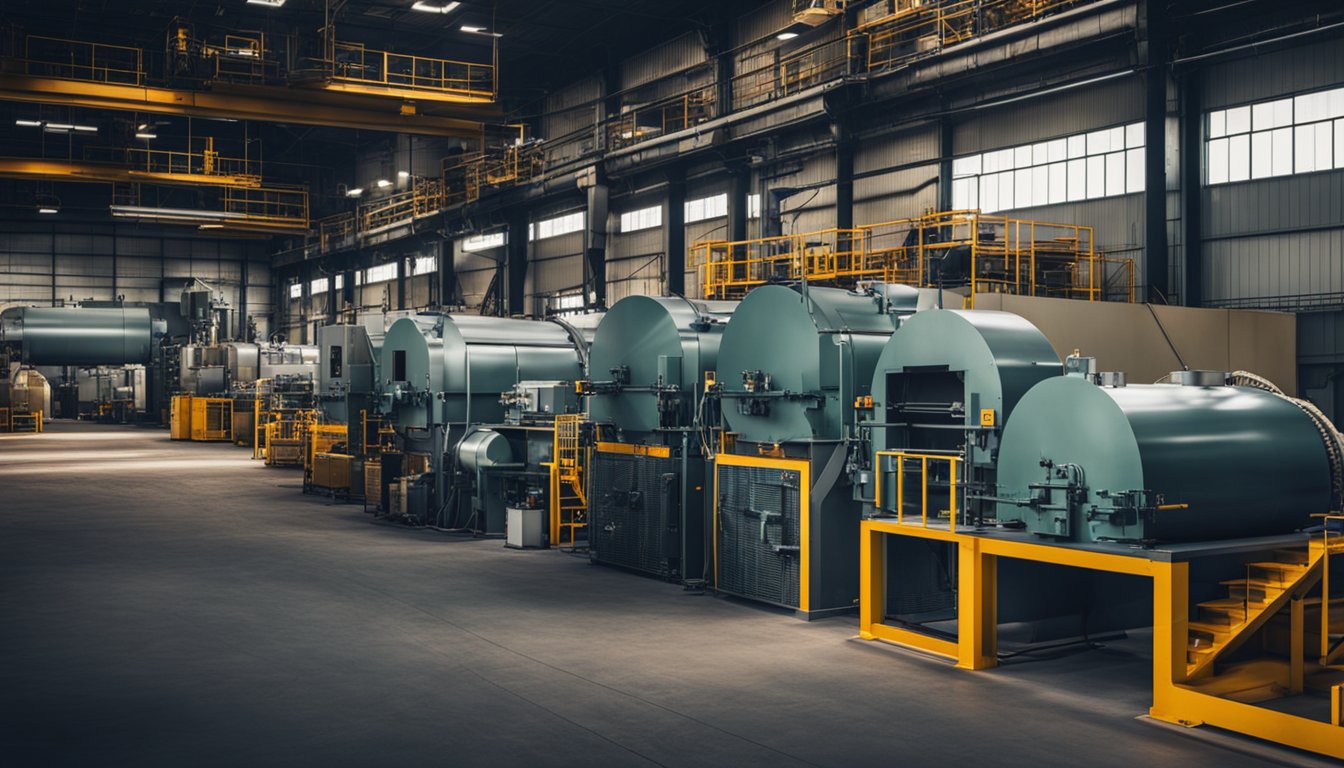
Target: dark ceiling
x,y
542,45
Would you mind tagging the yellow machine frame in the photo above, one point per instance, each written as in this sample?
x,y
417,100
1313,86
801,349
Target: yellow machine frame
x,y
804,470
568,477
1175,699
20,421
211,419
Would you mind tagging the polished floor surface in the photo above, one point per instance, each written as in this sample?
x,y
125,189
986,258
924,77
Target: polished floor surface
x,y
178,604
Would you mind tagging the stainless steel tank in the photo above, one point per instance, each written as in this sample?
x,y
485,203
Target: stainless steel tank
x,y
82,335
1161,462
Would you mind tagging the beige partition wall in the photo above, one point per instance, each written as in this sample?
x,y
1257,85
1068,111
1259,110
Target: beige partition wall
x,y
1130,337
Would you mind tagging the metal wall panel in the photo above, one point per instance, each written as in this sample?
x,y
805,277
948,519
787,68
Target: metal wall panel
x,y
1281,270
1065,113
1264,76
677,54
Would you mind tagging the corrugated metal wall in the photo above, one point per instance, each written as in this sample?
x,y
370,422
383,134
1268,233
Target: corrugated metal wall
x,y
677,54
62,262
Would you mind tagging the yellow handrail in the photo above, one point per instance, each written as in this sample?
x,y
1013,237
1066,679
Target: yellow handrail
x,y
901,458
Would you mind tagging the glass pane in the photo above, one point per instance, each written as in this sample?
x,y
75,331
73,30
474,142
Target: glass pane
x,y
1282,142
963,193
1238,120
1059,183
1004,159
1077,180
1096,176
1334,103
1310,107
1262,155
1057,150
1040,185
1116,138
989,193
1217,124
1324,136
1098,142
1006,197
1134,170
1077,146
1283,113
1304,149
1039,155
1115,174
1022,157
1239,158
966,166
1134,135
1022,188
1339,142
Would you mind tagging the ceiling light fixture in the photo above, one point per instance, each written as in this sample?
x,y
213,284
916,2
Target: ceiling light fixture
x,y
47,209
474,30
29,123
421,5
146,135
267,3
403,174
786,35
355,192
383,183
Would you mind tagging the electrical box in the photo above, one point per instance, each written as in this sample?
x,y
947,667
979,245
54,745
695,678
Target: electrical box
x,y
525,528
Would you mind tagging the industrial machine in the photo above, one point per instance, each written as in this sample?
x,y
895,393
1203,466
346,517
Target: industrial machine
x,y
943,389
1092,459
650,362
442,374
791,366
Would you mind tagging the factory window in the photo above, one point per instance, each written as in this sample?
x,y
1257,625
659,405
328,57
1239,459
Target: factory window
x,y
560,225
754,206
319,285
296,291
340,282
1299,134
381,273
483,242
644,218
1084,166
566,304
425,265
712,207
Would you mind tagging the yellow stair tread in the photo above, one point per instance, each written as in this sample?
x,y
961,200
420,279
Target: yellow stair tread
x,y
1253,583
1212,629
1274,565
1231,602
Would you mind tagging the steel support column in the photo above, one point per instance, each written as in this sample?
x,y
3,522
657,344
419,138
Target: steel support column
x,y
1191,151
1156,260
674,232
514,285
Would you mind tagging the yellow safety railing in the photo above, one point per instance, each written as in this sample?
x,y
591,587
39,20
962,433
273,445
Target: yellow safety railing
x,y
278,208
465,178
321,438
82,60
915,28
424,198
995,254
905,458
211,419
568,501
1330,655
662,116
208,162
355,63
767,75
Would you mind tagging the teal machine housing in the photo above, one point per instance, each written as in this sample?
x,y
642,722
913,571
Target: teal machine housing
x,y
347,376
944,385
646,391
791,364
1194,460
442,374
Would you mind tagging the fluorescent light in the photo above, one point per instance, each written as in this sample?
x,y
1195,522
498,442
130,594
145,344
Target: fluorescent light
x,y
421,5
786,35
403,174
355,192
186,215
473,30
68,127
267,3
146,135
142,127
29,123
86,129
47,209
383,183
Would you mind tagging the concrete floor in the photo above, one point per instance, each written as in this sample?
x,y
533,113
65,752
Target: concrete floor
x,y
177,604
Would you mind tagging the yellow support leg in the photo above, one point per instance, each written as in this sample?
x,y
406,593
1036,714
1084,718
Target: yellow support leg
x,y
872,580
1171,612
977,613
1297,652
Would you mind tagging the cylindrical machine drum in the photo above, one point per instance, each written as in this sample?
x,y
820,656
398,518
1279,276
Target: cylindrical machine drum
x,y
793,359
646,345
464,362
483,448
86,336
980,360
1160,462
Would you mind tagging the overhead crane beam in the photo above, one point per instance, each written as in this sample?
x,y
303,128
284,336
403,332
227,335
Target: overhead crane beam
x,y
264,103
82,171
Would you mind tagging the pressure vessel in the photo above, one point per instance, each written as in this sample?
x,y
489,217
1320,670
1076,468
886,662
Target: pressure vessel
x,y
794,358
649,358
1159,463
82,335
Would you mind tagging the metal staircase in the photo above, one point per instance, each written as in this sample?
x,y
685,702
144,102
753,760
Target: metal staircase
x,y
569,502
1226,623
